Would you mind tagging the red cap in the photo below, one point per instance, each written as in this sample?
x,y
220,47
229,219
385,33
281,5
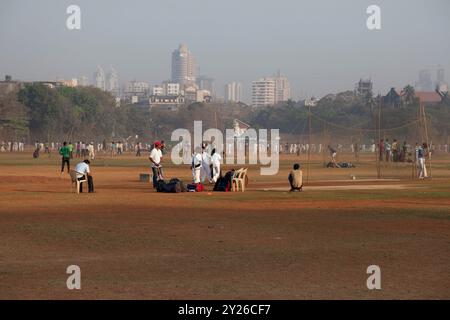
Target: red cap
x,y
157,144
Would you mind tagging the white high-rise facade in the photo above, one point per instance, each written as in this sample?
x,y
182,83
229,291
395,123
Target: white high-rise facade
x,y
99,78
263,92
83,81
282,89
183,66
113,82
270,91
233,92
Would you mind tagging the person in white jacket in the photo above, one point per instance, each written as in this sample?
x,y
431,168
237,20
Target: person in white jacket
x,y
196,165
206,161
215,162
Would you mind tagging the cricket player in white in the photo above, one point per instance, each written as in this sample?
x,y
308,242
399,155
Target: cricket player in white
x,y
206,161
196,165
91,152
215,161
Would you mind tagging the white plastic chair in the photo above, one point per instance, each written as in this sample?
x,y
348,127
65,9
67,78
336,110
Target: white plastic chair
x,y
73,176
238,181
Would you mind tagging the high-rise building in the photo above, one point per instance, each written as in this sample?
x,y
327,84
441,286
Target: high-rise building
x,y
263,92
233,92
99,78
425,83
271,90
83,81
113,82
440,75
364,87
206,83
282,88
441,86
183,66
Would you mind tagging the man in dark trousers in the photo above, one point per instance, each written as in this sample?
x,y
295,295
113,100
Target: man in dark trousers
x,y
84,171
65,153
156,158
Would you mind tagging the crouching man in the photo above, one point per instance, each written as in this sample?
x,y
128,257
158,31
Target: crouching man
x,y
296,178
84,172
215,163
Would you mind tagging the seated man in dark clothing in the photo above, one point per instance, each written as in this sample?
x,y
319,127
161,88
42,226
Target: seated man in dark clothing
x,y
296,178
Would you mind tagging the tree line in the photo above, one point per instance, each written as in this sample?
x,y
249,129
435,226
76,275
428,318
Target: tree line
x,y
39,112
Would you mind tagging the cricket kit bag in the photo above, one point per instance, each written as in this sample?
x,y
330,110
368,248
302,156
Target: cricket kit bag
x,y
195,187
224,183
168,187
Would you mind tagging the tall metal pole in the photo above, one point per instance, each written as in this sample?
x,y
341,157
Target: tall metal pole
x,y
309,144
379,155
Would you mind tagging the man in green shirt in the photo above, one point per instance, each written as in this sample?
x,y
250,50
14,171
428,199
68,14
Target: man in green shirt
x,y
65,152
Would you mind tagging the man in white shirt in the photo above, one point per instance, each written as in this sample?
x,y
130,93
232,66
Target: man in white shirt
x,y
83,171
156,158
215,162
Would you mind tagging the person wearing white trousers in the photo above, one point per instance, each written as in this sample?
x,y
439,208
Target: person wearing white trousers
x,y
421,158
205,169
215,161
196,165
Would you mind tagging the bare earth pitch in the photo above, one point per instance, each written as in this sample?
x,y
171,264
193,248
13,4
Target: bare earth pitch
x,y
266,243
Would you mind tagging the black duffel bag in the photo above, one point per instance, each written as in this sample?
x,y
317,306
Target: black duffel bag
x,y
173,186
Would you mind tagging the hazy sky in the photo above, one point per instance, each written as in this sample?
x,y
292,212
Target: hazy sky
x,y
321,46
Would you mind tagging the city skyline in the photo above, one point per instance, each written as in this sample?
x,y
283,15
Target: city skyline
x,y
321,47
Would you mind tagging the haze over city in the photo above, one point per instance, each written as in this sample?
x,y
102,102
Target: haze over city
x,y
321,46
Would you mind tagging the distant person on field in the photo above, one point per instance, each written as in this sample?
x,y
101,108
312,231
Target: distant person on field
x,y
356,151
421,154
333,154
65,153
83,172
296,178
394,148
387,149
70,146
78,149
91,151
138,149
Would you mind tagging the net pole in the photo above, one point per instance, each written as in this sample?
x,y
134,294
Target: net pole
x,y
309,144
425,126
379,141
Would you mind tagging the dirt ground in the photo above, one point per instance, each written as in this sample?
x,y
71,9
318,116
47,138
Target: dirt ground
x,y
133,243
